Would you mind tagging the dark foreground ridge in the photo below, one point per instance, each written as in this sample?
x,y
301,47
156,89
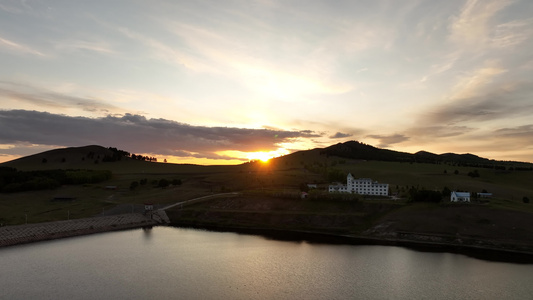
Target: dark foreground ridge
x,y
21,234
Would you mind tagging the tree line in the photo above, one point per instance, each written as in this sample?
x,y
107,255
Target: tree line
x,y
118,154
12,180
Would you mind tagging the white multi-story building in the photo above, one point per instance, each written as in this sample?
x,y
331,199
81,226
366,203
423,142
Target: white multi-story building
x,y
362,186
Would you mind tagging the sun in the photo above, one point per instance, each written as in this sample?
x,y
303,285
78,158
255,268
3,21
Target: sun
x,y
262,156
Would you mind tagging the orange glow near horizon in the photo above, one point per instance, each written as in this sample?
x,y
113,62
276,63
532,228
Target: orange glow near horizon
x,y
231,157
263,156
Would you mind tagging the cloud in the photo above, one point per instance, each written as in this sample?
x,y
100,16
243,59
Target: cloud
x,y
438,131
18,48
84,45
340,135
512,33
387,140
472,25
165,52
44,98
524,133
136,133
502,102
23,149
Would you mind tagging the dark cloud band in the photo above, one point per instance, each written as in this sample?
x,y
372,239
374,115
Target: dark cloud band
x,y
138,134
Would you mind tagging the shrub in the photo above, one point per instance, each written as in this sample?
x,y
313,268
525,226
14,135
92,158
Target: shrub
x,y
473,174
163,183
134,185
425,196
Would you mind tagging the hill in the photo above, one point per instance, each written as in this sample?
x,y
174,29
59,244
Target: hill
x,y
357,150
79,157
94,157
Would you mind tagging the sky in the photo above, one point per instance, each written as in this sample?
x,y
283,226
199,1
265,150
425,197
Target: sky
x,y
224,82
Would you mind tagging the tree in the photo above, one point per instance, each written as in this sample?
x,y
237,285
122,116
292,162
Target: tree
x,y
425,195
134,185
446,192
473,174
163,183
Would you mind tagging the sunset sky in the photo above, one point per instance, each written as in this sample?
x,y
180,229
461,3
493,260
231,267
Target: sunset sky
x,y
215,82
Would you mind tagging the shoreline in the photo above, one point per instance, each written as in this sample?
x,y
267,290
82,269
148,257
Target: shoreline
x,y
479,252
30,233
37,232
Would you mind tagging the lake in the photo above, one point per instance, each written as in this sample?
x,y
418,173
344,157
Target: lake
x,y
182,263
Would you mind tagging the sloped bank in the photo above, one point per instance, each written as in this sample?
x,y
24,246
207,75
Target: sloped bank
x,y
370,224
28,233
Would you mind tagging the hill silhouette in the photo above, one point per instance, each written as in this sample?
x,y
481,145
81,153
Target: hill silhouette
x,y
87,156
357,150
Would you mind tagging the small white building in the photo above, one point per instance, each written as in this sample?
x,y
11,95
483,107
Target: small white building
x,y
361,186
460,197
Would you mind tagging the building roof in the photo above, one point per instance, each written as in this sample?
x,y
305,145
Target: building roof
x,y
461,194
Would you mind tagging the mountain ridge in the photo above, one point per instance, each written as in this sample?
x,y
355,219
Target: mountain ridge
x,y
348,150
358,150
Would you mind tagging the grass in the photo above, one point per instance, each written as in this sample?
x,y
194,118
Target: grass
x,y
508,185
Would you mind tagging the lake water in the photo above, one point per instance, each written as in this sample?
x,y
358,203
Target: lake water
x,y
179,263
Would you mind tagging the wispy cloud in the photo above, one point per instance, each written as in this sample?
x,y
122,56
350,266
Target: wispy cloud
x,y
44,98
18,48
434,132
237,54
475,82
512,33
85,45
522,133
388,140
340,135
505,101
472,27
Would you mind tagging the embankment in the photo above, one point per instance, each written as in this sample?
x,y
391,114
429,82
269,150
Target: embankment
x,y
472,230
21,234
